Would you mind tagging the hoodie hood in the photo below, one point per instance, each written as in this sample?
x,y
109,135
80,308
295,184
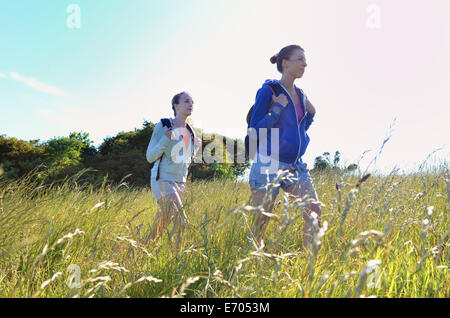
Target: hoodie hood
x,y
271,82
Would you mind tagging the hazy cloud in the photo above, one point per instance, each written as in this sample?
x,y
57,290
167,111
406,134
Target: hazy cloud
x,y
34,83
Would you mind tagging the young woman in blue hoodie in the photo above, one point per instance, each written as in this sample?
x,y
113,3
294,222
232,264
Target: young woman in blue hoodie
x,y
171,149
281,116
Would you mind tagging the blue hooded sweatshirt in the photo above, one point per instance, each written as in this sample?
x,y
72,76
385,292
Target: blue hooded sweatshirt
x,y
293,139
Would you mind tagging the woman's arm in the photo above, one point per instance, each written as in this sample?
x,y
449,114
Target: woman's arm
x,y
310,113
309,107
158,143
261,117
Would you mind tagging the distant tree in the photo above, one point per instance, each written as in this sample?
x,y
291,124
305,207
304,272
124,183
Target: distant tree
x,y
124,156
337,158
18,157
352,167
324,161
66,151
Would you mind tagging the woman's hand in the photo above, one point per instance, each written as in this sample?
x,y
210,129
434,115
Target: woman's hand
x,y
170,134
280,99
309,107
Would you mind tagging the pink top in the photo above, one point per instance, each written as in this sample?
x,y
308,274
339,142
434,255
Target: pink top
x,y
299,109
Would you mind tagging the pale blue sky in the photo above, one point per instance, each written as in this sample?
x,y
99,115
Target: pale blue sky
x,y
130,57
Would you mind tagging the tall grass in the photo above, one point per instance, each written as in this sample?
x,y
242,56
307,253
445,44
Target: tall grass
x,y
384,237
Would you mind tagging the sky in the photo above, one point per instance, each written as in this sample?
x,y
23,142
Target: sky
x,y
375,69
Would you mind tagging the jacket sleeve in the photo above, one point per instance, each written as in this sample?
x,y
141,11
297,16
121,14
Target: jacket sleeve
x,y
261,117
158,143
309,120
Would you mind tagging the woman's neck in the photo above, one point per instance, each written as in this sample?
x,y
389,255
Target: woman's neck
x,y
288,82
179,121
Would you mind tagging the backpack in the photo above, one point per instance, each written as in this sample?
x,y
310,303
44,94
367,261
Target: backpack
x,y
166,123
251,155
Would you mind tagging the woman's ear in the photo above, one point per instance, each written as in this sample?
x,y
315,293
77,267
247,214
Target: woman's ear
x,y
283,65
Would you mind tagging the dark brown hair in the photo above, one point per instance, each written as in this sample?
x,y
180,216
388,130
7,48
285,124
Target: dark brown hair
x,y
176,100
284,54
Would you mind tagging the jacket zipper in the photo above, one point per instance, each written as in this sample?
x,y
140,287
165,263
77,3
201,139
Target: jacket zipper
x,y
298,123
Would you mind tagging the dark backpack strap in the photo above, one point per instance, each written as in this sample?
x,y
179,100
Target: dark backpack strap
x,y
192,136
166,122
191,131
249,115
271,86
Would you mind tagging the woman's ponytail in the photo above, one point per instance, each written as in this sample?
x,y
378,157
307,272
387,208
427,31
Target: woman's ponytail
x,y
274,59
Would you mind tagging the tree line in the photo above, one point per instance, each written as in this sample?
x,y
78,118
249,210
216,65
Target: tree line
x,y
120,158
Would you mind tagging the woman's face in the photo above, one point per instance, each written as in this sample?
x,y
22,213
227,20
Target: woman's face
x,y
296,64
185,106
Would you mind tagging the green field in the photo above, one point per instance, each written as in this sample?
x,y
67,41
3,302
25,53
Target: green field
x,y
387,238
